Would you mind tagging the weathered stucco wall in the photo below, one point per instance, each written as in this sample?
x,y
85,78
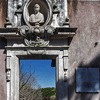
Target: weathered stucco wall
x,y
2,12
2,52
2,70
84,50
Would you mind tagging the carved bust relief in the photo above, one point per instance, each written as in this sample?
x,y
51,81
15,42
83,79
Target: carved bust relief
x,y
37,18
37,13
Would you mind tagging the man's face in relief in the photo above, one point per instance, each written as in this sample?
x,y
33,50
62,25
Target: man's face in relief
x,y
36,8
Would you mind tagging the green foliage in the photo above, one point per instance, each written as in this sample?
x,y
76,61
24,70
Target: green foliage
x,y
48,93
30,90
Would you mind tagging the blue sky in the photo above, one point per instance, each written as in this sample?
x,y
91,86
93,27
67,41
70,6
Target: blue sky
x,y
45,74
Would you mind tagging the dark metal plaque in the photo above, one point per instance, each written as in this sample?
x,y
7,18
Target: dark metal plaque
x,y
87,80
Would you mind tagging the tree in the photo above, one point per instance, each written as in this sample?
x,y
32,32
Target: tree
x,y
49,93
28,87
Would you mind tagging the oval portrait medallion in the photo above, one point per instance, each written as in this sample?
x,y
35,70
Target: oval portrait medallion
x,y
37,13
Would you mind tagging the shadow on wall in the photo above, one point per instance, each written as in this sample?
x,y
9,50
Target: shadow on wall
x,y
72,95
3,43
74,5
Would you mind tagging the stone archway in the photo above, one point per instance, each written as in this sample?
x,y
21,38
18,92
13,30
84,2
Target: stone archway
x,y
13,57
57,49
50,39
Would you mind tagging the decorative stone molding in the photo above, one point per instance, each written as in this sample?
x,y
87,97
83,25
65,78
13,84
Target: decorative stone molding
x,y
8,74
36,26
36,43
32,36
54,11
32,52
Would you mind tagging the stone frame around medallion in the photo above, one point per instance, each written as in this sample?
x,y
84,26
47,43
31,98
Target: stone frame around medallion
x,y
45,9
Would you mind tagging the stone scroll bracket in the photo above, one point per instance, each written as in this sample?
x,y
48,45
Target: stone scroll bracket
x,y
60,13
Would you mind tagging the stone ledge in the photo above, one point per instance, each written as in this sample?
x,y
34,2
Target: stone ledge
x,y
37,48
7,30
60,32
64,29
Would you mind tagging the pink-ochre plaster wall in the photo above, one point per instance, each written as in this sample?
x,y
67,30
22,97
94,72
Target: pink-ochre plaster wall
x,y
84,50
2,12
2,52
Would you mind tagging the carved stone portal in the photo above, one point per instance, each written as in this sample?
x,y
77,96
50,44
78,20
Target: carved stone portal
x,y
37,28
